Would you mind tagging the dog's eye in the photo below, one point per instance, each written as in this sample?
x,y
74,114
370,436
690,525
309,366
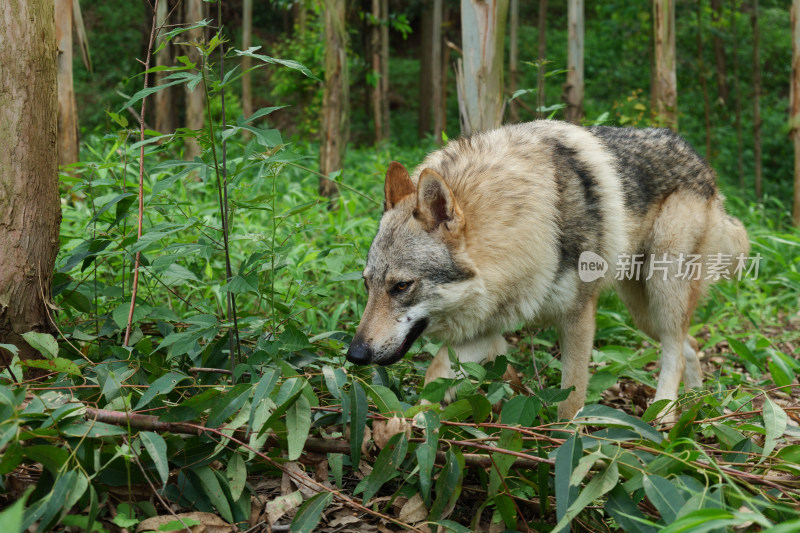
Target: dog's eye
x,y
402,286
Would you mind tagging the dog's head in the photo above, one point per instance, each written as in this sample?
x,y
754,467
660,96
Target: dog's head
x,y
418,250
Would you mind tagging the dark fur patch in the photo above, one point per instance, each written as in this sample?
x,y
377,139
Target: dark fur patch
x,y
580,220
652,163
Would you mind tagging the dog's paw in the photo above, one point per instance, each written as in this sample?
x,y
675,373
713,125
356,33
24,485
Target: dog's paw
x,y
450,396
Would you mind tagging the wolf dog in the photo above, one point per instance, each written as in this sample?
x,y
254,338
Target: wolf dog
x,y
490,231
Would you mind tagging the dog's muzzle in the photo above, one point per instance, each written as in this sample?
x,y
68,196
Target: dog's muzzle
x,y
361,352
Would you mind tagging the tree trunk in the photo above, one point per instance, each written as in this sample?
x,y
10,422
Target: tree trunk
x,y
335,96
164,108
738,111
794,114
756,102
512,59
426,81
195,104
247,42
573,89
701,68
479,75
719,51
541,101
377,89
385,68
30,211
665,85
439,86
67,112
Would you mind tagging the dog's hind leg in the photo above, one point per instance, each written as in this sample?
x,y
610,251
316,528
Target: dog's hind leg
x,y
476,351
576,336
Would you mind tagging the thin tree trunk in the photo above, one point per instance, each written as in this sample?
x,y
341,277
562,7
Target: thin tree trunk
x,y
439,85
302,18
794,114
756,101
512,58
738,98
665,85
573,89
719,51
194,99
385,68
426,80
164,108
701,67
67,112
335,96
541,100
30,211
247,42
479,75
377,89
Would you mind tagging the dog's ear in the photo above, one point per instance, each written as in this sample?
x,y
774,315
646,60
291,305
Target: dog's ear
x,y
397,186
436,205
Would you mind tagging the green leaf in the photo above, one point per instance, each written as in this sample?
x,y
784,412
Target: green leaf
x,y
91,429
626,513
567,457
607,416
285,62
157,449
775,423
599,485
10,347
792,526
310,512
12,516
59,364
704,520
358,421
160,387
509,440
211,487
655,409
226,406
298,424
44,343
520,410
385,399
387,466
665,496
448,484
237,475
508,512
426,452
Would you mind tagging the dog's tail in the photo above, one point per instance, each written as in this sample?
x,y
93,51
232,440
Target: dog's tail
x,y
729,238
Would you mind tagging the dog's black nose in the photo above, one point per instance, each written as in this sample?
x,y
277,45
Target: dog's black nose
x,y
359,353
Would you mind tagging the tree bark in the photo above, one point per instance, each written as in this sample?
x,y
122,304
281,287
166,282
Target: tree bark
x,y
701,68
719,52
573,89
513,53
164,109
541,100
30,210
794,114
479,75
426,82
756,102
67,111
376,90
335,96
195,105
738,98
437,72
665,84
247,42
385,69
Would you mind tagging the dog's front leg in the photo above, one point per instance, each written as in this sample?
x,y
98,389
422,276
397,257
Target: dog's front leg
x,y
576,335
476,351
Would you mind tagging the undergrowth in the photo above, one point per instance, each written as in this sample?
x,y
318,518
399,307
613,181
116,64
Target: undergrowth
x,y
195,408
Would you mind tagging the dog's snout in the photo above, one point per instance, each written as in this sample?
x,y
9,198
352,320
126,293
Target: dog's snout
x,y
359,353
